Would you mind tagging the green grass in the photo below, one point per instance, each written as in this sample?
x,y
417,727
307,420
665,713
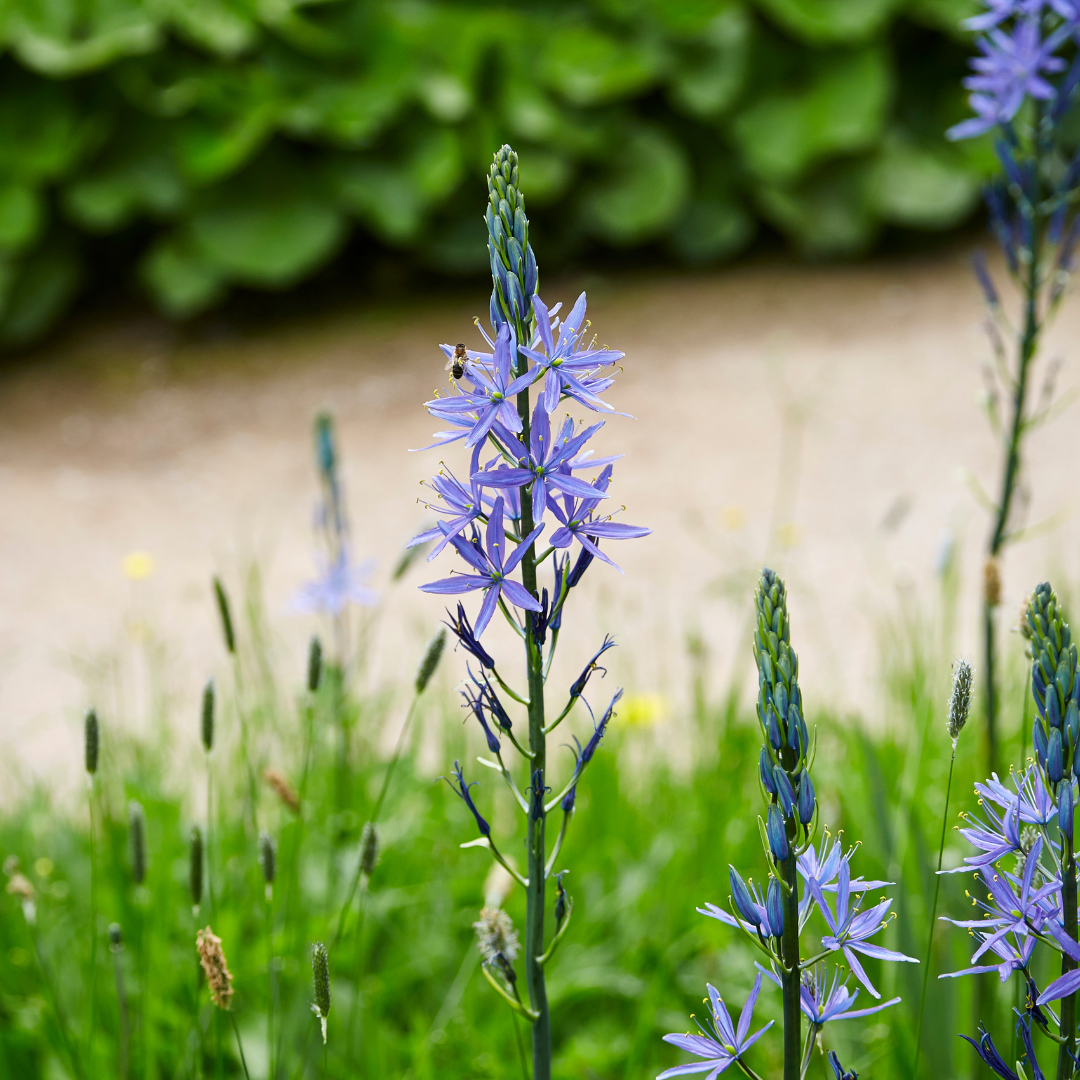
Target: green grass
x,y
652,840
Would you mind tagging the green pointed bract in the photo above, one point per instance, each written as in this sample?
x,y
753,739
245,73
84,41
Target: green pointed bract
x,y
513,265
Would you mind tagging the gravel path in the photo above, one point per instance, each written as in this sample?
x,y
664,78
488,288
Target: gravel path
x,y
814,417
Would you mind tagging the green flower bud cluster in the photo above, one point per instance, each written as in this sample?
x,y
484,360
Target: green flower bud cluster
x,y
1055,684
785,756
513,265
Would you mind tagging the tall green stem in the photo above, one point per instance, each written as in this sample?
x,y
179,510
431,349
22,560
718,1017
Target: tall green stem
x,y
1068,1004
791,973
1028,345
92,983
933,914
535,841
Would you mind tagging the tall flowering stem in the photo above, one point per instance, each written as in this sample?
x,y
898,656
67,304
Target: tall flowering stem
x,y
1025,853
800,875
520,484
779,708
1021,91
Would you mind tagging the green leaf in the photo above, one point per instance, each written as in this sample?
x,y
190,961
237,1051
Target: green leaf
x,y
181,282
39,292
832,216
136,176
589,67
707,79
224,27
436,164
712,229
211,149
21,216
945,15
41,132
384,196
269,241
456,246
923,188
843,111
348,112
643,192
831,21
544,176
62,38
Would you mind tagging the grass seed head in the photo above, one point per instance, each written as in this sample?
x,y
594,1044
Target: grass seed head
x,y
283,789
93,741
196,874
208,716
370,852
431,660
314,665
226,616
218,976
116,937
137,840
959,699
267,857
495,935
320,976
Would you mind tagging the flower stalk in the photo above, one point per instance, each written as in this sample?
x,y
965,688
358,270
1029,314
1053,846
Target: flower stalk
x,y
493,522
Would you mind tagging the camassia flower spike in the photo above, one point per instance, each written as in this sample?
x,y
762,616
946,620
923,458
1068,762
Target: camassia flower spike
x,y
491,517
1026,863
800,877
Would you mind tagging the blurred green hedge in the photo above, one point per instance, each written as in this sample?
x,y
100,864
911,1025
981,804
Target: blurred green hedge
x,y
195,145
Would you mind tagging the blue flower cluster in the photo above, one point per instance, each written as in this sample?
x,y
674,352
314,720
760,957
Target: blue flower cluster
x,y
530,475
776,920
1020,42
1025,859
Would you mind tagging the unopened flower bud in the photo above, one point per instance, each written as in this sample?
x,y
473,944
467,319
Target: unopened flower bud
x,y
116,937
774,908
208,716
1055,766
741,898
777,833
784,791
765,768
1065,810
807,800
226,615
561,900
92,741
431,660
314,665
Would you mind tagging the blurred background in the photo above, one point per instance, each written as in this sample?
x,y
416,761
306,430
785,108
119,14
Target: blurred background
x,y
220,217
